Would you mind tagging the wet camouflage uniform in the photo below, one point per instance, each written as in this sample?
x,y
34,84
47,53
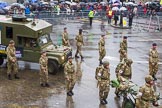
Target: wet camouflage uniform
x,y
147,94
123,48
79,43
127,69
65,39
70,76
153,62
102,50
43,61
104,83
12,64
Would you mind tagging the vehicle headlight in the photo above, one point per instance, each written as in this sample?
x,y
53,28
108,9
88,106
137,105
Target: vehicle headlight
x,y
62,57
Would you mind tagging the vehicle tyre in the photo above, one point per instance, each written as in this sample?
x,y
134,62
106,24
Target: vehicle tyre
x,y
52,67
127,104
1,61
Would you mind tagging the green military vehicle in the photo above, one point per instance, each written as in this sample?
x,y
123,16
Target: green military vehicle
x,y
31,37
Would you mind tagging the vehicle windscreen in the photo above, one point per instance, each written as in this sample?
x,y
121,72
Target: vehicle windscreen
x,y
44,39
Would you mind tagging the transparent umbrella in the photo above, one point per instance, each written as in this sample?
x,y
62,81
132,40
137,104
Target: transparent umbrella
x,y
115,8
123,9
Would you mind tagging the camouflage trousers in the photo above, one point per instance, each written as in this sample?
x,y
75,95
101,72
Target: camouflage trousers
x,y
153,69
12,67
121,57
78,50
43,76
102,54
104,89
70,82
142,103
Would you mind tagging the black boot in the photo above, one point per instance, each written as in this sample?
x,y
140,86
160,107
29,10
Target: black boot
x,y
72,92
82,58
100,62
105,101
69,93
102,102
76,56
41,85
47,85
9,77
16,77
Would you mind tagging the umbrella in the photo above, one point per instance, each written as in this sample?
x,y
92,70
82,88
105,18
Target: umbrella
x,y
45,3
147,3
73,3
15,4
22,6
7,8
115,4
115,8
130,3
103,3
82,3
123,9
67,2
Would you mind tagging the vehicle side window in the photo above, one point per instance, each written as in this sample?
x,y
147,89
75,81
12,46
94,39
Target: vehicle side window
x,y
30,42
9,32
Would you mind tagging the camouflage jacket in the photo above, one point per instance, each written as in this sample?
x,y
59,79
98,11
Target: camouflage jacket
x,y
11,53
153,56
104,75
43,61
69,68
101,44
148,92
64,37
79,40
123,46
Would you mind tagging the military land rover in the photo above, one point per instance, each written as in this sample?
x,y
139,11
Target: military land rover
x,y
31,37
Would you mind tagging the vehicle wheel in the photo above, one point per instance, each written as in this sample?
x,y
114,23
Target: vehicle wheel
x,y
52,67
1,61
128,104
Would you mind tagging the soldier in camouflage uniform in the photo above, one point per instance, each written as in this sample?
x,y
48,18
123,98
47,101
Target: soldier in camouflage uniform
x,y
118,74
70,76
146,94
127,69
79,43
65,39
153,61
123,48
43,61
12,64
104,82
102,50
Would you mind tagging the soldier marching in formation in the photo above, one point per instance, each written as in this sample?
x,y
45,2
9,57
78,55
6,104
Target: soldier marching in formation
x,y
12,64
70,76
43,61
146,94
101,47
79,44
153,61
123,70
103,78
123,48
65,38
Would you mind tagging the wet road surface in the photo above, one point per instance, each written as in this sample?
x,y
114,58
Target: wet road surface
x,y
26,92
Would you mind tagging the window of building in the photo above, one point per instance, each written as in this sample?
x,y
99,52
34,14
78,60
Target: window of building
x,y
9,32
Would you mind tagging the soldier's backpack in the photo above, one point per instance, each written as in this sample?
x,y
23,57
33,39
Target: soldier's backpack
x,y
97,71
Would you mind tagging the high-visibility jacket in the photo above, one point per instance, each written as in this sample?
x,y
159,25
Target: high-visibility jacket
x,y
110,13
91,14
